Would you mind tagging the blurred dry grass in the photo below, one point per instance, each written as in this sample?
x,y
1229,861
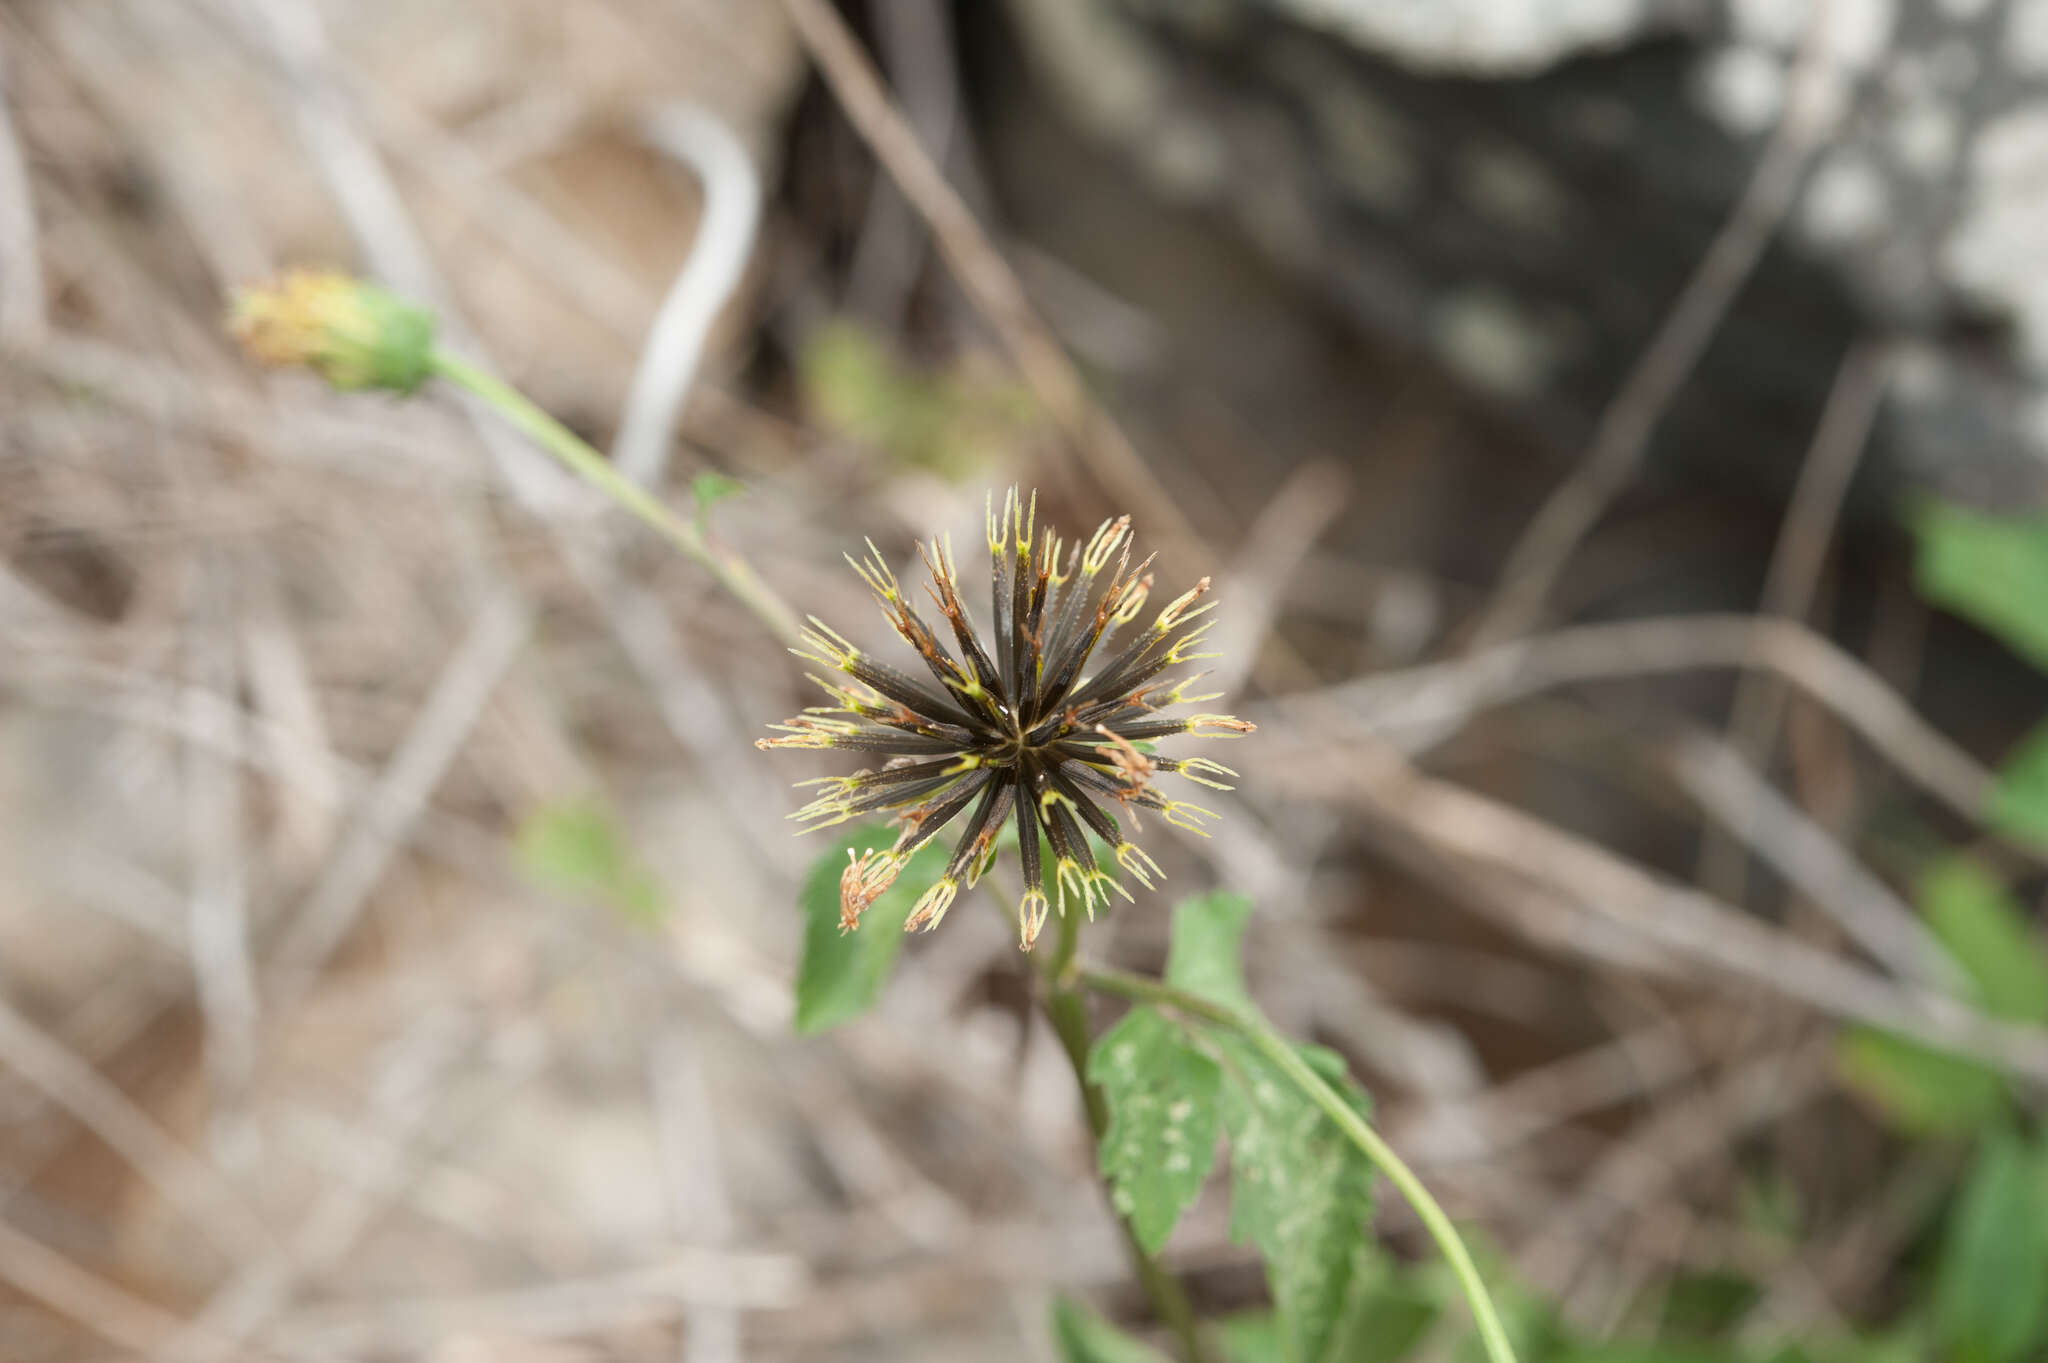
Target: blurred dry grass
x,y
294,1063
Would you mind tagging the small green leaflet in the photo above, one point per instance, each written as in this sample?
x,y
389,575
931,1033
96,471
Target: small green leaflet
x,y
842,974
1977,920
1930,1091
1300,1190
1992,570
1081,1336
1206,955
577,848
1162,1132
1989,1306
1925,1091
2020,805
1396,1312
710,488
1254,1337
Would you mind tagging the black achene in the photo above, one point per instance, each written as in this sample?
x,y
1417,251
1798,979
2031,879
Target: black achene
x,y
1020,726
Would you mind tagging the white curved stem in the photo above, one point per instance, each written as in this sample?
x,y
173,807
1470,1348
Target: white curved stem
x,y
725,241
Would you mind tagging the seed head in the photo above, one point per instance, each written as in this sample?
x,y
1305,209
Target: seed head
x,y
1038,719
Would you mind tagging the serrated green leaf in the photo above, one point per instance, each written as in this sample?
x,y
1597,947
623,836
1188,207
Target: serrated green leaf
x,y
1992,570
1989,1303
1925,1091
1081,1336
1977,920
1303,1194
1300,1190
578,848
2020,804
1163,1120
1206,956
842,974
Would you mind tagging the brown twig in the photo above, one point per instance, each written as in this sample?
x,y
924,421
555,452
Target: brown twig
x,y
1523,853
1696,1126
122,1319
1789,586
1419,707
1736,798
195,1188
23,315
218,899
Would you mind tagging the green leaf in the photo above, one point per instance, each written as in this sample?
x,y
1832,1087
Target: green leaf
x,y
1394,1313
948,421
1970,911
1989,1303
2020,804
1081,1336
710,488
1992,570
1206,954
1254,1337
1928,1091
577,848
842,974
1162,1132
1303,1194
1657,1352
1925,1091
1706,1305
1300,1190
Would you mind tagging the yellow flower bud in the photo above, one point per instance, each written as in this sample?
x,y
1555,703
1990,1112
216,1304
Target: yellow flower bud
x,y
354,335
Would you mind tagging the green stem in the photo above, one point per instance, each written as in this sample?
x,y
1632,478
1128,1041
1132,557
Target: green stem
x,y
1275,1048
734,573
1066,1008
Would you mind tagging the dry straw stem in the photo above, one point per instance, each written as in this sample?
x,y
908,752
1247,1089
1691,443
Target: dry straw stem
x,y
1739,800
683,1284
1419,707
415,1116
1789,586
439,731
43,1275
1696,1126
24,318
1490,1125
217,914
1522,852
188,1183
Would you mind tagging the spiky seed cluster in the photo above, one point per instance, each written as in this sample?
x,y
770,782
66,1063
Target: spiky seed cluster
x,y
1022,727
